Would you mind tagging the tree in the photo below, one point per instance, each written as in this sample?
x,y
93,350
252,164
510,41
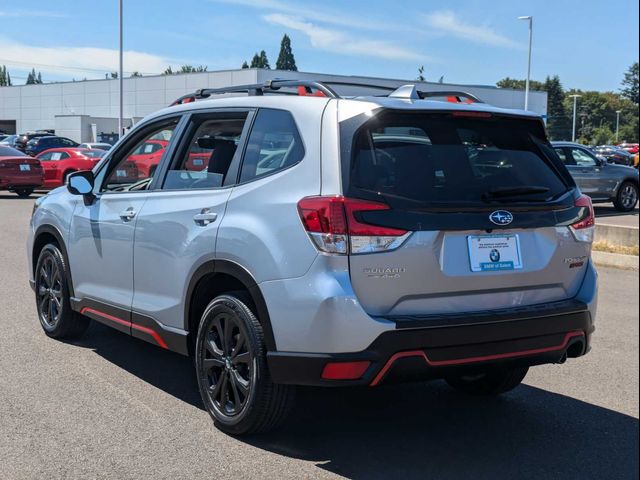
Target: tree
x,y
114,75
629,88
245,64
286,60
558,122
136,74
192,69
260,60
168,71
33,78
5,78
264,61
602,135
420,76
519,84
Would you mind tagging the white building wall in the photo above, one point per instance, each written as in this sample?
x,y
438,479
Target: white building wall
x,y
36,106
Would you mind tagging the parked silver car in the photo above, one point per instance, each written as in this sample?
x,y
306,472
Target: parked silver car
x,y
312,239
601,180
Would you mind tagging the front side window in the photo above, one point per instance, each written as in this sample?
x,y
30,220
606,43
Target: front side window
x,y
135,169
582,158
209,153
274,144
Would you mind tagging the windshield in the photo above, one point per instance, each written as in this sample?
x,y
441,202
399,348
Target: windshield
x,y
415,160
10,152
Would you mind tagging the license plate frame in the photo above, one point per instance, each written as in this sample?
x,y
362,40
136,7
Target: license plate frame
x,y
25,167
494,252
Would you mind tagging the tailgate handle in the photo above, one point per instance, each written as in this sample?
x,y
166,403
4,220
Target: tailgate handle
x,y
205,217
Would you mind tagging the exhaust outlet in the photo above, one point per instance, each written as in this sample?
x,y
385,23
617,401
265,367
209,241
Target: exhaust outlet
x,y
562,359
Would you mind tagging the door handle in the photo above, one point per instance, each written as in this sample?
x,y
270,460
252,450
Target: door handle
x,y
205,217
128,214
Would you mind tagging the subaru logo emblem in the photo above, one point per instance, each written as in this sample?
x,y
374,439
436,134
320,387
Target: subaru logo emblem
x,y
501,217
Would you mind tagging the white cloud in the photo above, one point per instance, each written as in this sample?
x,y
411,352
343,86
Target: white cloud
x,y
447,22
319,14
338,42
78,61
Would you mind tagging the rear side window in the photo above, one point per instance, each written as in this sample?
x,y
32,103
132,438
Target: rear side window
x,y
274,144
427,159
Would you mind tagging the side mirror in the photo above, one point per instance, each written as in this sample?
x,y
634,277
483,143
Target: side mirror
x,y
602,161
81,183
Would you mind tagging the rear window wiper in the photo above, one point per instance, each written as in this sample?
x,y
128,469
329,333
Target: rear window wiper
x,y
510,192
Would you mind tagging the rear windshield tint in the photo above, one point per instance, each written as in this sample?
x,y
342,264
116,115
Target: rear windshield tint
x,y
433,159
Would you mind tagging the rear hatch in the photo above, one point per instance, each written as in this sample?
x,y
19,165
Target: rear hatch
x,y
470,211
21,171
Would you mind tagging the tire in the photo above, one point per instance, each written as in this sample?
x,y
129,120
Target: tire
x,y
234,365
56,317
493,382
627,197
23,192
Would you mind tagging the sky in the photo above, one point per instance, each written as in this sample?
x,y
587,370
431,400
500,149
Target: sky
x,y
588,43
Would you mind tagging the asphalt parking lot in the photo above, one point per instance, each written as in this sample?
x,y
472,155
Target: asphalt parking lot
x,y
110,406
606,214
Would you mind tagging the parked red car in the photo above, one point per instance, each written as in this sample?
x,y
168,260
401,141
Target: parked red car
x,y
630,147
19,173
58,163
145,159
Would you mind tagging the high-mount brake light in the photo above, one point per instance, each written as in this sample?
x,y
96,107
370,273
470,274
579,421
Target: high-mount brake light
x,y
471,114
335,225
584,230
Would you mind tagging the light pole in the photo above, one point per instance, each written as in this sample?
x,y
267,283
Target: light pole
x,y
617,124
575,102
120,77
526,88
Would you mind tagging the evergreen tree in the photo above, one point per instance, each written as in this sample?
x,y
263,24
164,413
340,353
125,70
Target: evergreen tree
x,y
39,79
519,84
136,74
286,60
420,76
168,71
264,61
558,122
245,64
630,84
255,61
114,75
31,77
5,80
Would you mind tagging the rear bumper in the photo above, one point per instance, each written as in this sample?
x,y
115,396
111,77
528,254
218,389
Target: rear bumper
x,y
435,347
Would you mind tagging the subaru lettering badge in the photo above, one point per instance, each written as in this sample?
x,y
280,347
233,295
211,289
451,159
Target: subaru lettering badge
x,y
501,217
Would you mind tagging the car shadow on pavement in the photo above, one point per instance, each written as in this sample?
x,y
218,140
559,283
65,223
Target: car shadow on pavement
x,y
424,430
602,211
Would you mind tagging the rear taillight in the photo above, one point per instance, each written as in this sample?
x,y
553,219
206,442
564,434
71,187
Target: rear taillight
x,y
584,229
335,226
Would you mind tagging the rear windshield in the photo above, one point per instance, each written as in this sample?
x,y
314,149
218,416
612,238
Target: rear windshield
x,y
438,159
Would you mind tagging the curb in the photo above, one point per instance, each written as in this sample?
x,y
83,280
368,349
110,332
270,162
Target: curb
x,y
617,235
615,260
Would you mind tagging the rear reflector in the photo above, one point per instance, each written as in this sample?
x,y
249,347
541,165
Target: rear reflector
x,y
583,230
345,370
335,226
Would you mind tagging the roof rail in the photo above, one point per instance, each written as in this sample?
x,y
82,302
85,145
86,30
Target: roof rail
x,y
323,89
305,87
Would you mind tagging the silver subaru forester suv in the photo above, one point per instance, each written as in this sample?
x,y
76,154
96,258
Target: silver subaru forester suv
x,y
292,236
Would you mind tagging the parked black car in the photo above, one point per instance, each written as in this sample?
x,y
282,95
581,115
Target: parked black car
x,y
40,144
601,180
614,154
23,138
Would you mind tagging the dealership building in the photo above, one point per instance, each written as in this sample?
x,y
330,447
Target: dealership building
x,y
88,110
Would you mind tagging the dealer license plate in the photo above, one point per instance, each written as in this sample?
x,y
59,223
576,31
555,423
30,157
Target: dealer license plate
x,y
494,252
